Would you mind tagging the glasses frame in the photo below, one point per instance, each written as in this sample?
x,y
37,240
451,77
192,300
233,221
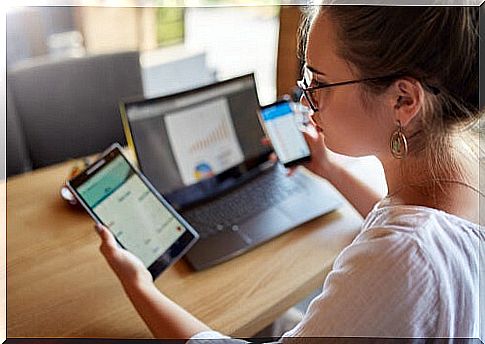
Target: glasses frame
x,y
302,84
306,90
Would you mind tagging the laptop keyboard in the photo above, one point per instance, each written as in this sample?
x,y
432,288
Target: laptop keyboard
x,y
254,197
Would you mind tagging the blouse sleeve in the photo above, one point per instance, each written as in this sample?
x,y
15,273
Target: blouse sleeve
x,y
213,337
380,285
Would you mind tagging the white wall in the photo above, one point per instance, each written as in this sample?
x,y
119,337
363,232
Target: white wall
x,y
237,40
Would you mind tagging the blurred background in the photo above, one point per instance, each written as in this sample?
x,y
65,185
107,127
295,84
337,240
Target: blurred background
x,y
68,66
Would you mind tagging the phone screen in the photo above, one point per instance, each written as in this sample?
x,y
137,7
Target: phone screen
x,y
281,127
122,201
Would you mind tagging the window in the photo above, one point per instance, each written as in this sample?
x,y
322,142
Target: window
x,y
170,25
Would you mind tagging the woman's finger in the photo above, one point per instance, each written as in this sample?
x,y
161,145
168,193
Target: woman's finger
x,y
291,171
273,157
314,138
266,141
311,132
108,241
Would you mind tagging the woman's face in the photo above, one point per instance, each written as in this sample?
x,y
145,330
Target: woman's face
x,y
349,127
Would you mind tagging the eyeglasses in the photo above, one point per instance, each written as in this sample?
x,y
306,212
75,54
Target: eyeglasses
x,y
308,90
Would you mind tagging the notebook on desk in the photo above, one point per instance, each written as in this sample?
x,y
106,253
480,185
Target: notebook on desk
x,y
202,150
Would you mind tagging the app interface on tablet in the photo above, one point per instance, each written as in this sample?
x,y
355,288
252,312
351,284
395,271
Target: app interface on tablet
x,y
286,138
140,222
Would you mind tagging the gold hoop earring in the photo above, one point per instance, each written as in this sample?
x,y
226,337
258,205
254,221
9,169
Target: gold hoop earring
x,y
399,143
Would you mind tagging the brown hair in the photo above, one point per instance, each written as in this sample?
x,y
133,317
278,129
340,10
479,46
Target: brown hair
x,y
437,46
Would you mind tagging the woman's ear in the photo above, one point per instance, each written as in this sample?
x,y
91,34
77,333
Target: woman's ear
x,y
407,99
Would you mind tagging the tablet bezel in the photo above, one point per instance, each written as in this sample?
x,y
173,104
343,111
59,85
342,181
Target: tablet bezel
x,y
177,249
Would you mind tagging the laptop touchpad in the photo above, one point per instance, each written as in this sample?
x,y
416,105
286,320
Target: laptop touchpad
x,y
265,225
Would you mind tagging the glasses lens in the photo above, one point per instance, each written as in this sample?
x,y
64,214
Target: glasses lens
x,y
307,94
308,82
310,100
308,77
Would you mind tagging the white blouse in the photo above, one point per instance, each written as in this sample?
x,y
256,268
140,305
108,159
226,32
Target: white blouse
x,y
411,272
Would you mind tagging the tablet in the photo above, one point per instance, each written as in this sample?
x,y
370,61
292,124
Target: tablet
x,y
116,195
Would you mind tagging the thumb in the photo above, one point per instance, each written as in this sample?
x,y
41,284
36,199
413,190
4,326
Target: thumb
x,y
312,135
108,241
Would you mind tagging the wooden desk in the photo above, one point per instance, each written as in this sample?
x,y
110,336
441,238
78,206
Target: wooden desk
x,y
58,284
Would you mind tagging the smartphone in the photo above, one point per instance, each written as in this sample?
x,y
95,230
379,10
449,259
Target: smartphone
x,y
118,196
281,126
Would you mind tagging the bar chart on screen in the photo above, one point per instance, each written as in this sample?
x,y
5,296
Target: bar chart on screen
x,y
217,135
203,140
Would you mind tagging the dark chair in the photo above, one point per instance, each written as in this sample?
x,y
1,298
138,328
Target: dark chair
x,y
68,107
18,160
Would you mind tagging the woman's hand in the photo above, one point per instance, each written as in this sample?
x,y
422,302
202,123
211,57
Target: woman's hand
x,y
129,268
321,162
164,318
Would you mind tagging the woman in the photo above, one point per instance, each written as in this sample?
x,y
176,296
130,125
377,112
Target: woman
x,y
400,83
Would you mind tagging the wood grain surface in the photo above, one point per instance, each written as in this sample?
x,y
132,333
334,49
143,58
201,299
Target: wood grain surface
x,y
58,284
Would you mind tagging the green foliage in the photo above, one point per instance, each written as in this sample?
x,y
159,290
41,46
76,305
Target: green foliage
x,y
170,25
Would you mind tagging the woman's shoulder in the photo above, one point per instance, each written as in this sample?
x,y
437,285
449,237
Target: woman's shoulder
x,y
402,274
418,240
389,240
418,222
383,274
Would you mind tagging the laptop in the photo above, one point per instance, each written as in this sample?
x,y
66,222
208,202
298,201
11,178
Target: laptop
x,y
202,151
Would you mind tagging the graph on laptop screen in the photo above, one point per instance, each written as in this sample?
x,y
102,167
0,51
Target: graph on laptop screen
x,y
211,148
191,136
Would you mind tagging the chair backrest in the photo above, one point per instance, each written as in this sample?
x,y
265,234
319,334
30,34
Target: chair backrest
x,y
18,160
69,107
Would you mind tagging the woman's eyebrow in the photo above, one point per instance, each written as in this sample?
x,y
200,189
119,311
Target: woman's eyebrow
x,y
313,70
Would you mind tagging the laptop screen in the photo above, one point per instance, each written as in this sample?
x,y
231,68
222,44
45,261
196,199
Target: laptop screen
x,y
194,144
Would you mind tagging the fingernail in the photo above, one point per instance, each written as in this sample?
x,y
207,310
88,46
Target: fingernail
x,y
98,227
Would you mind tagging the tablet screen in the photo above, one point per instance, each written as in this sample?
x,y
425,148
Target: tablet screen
x,y
124,203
